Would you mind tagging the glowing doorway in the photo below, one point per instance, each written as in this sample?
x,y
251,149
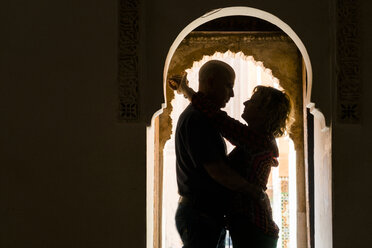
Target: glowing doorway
x,y
282,182
321,133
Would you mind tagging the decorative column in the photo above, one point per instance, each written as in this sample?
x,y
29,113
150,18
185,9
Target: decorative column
x,y
348,80
128,60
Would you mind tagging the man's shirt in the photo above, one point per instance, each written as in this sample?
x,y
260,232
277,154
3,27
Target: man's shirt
x,y
197,143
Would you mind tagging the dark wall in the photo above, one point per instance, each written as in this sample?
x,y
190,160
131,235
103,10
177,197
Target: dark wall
x,y
71,175
352,147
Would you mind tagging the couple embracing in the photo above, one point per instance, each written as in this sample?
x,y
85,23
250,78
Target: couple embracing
x,y
220,191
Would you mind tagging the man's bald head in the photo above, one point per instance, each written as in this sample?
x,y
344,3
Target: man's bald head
x,y
216,80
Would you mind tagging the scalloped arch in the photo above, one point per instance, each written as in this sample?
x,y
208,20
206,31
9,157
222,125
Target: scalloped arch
x,y
245,11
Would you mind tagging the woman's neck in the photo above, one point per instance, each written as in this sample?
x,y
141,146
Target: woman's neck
x,y
258,128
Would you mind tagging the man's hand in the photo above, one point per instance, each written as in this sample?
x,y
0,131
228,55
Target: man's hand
x,y
229,178
180,84
265,204
253,191
260,196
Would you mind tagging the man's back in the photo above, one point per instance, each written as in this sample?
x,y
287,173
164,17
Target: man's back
x,y
198,142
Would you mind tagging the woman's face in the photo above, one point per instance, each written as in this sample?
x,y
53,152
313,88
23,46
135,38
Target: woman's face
x,y
253,112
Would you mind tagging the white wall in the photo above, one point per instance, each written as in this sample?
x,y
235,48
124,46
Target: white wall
x,y
322,182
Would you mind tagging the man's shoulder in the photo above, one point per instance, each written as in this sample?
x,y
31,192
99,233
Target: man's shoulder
x,y
192,120
191,114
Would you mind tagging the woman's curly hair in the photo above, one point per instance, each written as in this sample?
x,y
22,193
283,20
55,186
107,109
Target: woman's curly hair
x,y
277,106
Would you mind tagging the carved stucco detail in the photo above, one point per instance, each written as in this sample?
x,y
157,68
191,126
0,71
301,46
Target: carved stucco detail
x,y
128,59
348,80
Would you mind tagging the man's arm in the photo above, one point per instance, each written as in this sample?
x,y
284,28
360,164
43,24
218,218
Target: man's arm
x,y
235,132
230,179
205,148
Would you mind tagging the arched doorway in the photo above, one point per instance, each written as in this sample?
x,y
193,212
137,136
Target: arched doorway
x,y
155,193
282,182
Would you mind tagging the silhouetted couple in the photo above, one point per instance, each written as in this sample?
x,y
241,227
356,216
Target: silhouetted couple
x,y
219,190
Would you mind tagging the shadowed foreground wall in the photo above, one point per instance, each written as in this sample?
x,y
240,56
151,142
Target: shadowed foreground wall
x,y
71,175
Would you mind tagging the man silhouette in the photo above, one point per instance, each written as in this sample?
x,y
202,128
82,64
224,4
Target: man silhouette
x,y
203,176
